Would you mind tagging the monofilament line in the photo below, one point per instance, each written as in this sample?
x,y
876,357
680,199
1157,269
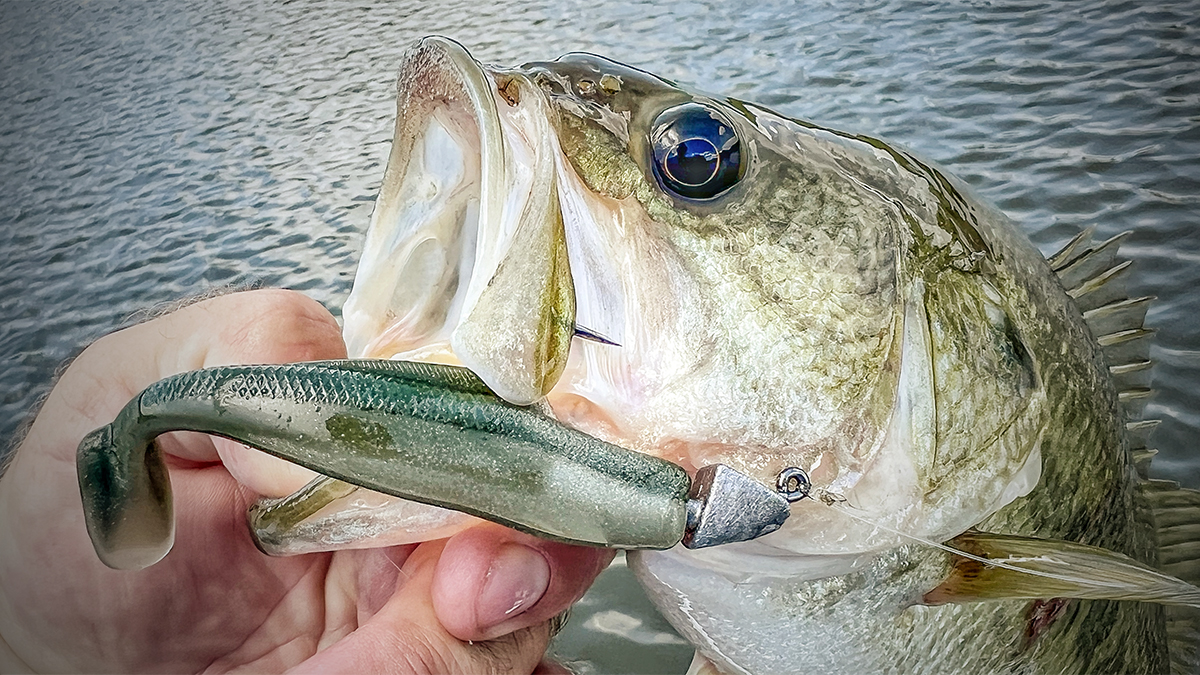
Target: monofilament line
x,y
839,503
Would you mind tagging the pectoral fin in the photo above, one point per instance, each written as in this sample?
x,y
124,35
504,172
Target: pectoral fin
x,y
702,666
1041,568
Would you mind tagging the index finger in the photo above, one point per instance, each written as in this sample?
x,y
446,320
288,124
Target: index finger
x,y
265,326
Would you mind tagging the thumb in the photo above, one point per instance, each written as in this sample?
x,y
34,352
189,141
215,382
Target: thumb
x,y
405,636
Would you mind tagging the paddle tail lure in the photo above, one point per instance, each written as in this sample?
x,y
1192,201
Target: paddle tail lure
x,y
425,432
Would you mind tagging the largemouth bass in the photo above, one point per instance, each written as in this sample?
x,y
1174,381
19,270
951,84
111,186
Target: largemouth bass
x,y
624,266
705,280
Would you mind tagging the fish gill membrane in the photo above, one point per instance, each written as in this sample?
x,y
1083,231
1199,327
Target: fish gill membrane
x,y
776,294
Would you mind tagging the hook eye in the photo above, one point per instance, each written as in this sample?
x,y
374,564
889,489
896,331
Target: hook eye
x,y
793,483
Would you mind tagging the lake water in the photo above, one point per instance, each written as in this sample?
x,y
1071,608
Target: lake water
x,y
152,150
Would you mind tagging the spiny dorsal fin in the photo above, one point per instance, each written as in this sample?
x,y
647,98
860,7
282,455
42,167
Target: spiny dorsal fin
x,y
1138,432
1094,277
1127,346
1069,252
1053,569
1102,289
1133,401
1117,316
1132,375
1141,461
1091,263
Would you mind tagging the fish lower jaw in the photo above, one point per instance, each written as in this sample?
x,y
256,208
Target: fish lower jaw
x,y
438,352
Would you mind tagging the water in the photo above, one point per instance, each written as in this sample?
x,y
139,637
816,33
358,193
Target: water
x,y
152,150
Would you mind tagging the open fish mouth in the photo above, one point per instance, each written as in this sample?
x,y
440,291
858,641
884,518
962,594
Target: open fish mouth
x,y
466,257
468,260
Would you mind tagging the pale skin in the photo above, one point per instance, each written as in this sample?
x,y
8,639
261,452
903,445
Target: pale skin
x,y
480,601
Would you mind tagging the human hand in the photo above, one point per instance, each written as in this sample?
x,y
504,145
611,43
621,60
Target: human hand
x,y
477,602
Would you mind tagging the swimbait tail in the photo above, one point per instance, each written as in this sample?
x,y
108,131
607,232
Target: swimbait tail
x,y
426,432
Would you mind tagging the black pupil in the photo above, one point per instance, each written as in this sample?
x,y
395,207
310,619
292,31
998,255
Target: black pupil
x,y
697,154
693,162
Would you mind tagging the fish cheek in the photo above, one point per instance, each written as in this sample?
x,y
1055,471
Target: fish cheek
x,y
598,158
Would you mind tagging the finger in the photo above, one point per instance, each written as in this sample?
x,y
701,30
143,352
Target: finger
x,y
404,636
47,555
264,474
492,580
267,326
263,326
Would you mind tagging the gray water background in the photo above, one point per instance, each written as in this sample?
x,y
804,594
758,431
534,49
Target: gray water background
x,y
153,150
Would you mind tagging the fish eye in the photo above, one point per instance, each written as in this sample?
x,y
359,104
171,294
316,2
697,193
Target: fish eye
x,y
697,154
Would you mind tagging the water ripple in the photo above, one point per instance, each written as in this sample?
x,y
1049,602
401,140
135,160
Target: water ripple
x,y
154,150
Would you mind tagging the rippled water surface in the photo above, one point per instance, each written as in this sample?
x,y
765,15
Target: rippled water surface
x,y
153,150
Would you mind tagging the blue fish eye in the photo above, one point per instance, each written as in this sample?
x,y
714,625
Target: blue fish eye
x,y
696,152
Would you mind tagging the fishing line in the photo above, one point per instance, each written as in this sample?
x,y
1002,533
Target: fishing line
x,y
839,503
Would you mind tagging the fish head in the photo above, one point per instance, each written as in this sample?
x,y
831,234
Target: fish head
x,y
702,279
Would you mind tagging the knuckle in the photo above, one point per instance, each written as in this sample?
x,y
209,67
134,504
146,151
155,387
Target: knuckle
x,y
438,652
281,325
518,651
425,649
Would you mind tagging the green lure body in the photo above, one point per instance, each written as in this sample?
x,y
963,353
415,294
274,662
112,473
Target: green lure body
x,y
425,432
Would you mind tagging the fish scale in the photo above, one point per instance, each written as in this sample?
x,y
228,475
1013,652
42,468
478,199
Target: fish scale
x,y
1016,374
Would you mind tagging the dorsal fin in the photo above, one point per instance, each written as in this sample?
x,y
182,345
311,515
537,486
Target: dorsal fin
x,y
1107,286
1068,253
1138,432
1133,401
1177,517
1091,273
1117,316
1091,263
1132,375
1127,346
1094,276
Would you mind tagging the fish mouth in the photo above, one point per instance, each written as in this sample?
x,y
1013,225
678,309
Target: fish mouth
x,y
465,259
